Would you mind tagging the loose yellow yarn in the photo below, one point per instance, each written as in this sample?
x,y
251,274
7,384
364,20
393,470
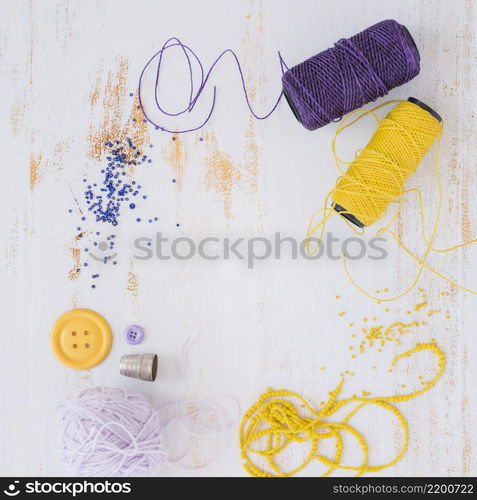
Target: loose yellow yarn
x,y
376,178
274,422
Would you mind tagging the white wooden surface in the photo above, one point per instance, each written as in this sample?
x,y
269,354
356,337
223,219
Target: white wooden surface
x,y
273,326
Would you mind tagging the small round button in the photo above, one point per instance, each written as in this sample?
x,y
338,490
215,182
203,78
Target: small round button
x,y
81,338
134,334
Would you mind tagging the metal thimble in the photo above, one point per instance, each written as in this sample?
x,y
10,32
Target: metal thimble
x,y
141,366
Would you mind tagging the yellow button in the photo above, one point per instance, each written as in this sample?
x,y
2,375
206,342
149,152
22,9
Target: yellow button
x,y
81,338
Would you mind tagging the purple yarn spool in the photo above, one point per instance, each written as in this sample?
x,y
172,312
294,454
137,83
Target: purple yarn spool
x,y
354,72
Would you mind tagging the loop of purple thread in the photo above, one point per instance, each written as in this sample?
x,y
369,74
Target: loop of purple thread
x,y
195,95
355,72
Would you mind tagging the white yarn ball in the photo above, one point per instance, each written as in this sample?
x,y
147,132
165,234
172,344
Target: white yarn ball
x,y
111,432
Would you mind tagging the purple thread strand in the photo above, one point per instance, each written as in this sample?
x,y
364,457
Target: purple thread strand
x,y
194,96
355,72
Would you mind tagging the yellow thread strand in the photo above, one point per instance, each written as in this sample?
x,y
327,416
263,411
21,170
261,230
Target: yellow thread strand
x,y
281,418
376,178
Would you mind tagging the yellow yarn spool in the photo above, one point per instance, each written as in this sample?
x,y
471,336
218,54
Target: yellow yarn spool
x,y
376,178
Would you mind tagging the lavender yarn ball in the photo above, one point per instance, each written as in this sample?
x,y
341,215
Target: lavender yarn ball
x,y
110,432
354,72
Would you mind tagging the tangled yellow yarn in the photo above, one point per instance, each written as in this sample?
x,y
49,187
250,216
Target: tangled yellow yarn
x,y
376,178
274,422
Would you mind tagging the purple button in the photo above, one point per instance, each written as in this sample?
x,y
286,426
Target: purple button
x,y
134,334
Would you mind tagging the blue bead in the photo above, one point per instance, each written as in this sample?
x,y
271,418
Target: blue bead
x,y
132,205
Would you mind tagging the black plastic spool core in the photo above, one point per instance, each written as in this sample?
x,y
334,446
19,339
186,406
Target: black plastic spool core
x,y
425,107
351,217
292,107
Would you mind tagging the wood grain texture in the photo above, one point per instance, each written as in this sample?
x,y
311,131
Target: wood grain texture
x,y
67,70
